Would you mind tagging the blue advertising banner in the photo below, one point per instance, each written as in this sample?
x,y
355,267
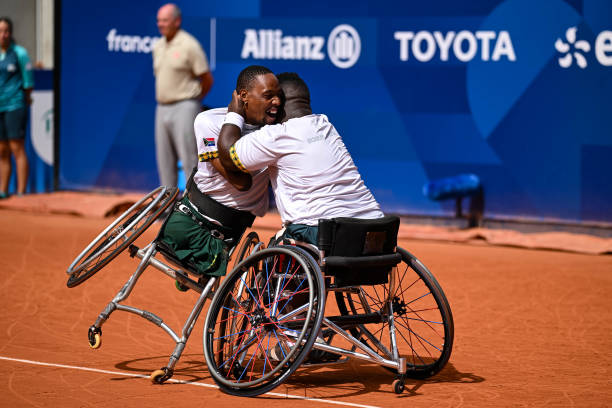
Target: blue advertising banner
x,y
516,92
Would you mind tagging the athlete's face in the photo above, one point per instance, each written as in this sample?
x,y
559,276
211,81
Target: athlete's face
x,y
5,34
167,24
262,101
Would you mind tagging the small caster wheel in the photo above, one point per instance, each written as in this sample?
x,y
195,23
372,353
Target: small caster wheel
x,y
398,386
160,376
94,335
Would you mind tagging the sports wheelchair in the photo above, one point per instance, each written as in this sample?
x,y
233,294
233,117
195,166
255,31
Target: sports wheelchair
x,y
270,314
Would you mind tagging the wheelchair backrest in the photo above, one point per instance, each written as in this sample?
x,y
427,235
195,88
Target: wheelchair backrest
x,y
358,237
359,251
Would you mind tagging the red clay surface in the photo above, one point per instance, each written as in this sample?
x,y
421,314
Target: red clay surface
x,y
532,328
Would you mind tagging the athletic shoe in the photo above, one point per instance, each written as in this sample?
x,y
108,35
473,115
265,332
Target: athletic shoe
x,y
276,353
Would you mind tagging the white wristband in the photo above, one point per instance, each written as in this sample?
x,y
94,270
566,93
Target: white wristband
x,y
234,118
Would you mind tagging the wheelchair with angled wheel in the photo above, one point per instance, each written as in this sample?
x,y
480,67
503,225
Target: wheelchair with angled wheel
x,y
119,236
269,315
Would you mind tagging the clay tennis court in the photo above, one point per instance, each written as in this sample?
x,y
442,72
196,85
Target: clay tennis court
x,y
532,328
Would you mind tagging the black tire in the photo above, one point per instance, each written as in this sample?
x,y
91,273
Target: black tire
x,y
423,320
120,234
255,335
249,243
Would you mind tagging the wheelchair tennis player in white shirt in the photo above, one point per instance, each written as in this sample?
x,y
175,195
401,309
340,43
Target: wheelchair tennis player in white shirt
x,y
311,171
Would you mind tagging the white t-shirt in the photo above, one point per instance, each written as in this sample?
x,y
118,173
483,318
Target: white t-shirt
x,y
207,126
312,173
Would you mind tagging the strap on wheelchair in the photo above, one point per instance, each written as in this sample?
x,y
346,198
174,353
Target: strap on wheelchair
x,y
363,262
227,216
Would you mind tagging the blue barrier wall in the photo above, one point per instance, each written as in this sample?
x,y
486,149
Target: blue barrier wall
x,y
517,92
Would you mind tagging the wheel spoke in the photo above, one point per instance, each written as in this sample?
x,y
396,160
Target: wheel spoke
x,y
120,234
258,327
422,320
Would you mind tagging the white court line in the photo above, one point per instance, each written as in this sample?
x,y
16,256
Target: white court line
x,y
199,384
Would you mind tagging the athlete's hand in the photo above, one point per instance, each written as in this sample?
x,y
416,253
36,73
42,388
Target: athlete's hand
x,y
236,105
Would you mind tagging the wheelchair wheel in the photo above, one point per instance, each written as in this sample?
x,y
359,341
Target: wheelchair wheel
x,y
120,234
423,321
263,320
249,244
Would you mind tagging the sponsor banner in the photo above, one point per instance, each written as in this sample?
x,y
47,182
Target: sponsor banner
x,y
575,50
514,91
126,43
443,41
41,125
340,44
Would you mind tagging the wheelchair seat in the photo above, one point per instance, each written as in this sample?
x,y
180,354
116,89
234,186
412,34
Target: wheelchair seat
x,y
359,251
235,221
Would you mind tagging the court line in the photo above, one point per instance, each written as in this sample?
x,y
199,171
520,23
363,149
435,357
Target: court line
x,y
199,384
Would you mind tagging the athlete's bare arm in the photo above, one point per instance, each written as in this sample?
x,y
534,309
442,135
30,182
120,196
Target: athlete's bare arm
x,y
228,136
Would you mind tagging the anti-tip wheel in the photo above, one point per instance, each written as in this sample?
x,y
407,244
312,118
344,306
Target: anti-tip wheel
x,y
160,376
94,336
398,386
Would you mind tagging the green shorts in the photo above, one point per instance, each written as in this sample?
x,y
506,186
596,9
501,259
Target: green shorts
x,y
194,243
298,232
13,124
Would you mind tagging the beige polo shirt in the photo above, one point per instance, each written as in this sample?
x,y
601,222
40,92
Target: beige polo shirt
x,y
177,65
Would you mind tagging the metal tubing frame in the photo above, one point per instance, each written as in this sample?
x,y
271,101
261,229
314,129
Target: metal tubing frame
x,y
147,258
371,356
398,363
169,271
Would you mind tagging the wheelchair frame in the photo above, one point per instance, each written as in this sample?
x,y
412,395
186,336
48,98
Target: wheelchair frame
x,y
351,327
299,330
335,325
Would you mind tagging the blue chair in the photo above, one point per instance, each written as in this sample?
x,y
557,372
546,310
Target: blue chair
x,y
458,187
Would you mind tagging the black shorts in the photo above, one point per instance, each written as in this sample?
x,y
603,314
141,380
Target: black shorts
x,y
13,124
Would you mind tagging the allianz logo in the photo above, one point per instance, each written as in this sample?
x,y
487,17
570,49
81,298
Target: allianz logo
x,y
129,43
575,50
343,46
464,45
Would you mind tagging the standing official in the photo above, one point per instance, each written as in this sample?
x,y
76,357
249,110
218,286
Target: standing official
x,y
182,80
